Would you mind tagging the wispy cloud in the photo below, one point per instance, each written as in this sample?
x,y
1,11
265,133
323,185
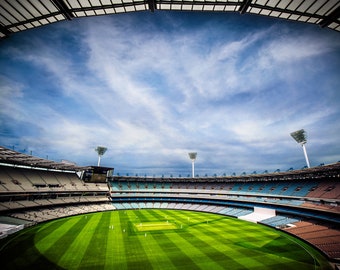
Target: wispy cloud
x,y
152,88
10,92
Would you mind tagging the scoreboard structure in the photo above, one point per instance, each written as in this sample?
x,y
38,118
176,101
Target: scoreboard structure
x,y
97,174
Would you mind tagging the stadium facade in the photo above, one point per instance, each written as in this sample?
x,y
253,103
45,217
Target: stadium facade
x,y
304,203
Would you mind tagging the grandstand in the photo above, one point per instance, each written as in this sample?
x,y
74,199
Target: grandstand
x,y
304,203
33,190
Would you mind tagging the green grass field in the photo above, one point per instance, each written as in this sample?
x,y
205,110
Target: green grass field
x,y
155,239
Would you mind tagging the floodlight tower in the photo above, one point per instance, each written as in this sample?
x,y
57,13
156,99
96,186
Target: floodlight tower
x,y
101,151
300,137
193,156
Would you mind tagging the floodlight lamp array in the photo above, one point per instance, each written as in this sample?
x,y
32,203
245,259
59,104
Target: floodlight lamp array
x,y
299,136
192,155
101,150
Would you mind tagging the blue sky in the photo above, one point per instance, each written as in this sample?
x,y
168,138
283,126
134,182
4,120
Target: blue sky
x,y
152,87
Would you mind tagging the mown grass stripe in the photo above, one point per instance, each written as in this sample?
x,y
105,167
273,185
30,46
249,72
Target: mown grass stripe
x,y
136,256
256,252
157,256
209,245
21,253
95,254
50,233
78,241
63,240
170,249
115,247
189,242
231,245
212,244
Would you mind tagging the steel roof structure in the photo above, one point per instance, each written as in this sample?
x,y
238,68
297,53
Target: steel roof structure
x,y
19,15
8,156
14,158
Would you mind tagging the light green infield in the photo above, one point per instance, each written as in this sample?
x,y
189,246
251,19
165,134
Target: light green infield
x,y
156,239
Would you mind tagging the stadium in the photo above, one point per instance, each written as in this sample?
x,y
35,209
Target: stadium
x,y
60,215
301,203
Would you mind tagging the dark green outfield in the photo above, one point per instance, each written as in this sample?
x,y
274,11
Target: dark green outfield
x,y
155,239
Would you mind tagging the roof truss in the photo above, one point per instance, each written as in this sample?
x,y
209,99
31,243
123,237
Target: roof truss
x,y
8,156
19,15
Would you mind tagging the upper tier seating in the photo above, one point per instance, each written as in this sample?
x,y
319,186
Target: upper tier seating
x,y
294,193
312,189
14,179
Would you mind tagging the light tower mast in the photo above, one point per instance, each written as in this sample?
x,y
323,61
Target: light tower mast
x,y
300,137
193,156
101,151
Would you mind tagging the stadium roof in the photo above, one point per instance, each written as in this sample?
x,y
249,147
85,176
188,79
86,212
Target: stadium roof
x,y
12,157
19,15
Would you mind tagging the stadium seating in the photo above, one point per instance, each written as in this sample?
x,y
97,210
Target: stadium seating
x,y
305,205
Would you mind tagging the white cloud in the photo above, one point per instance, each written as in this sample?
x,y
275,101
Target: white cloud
x,y
152,96
11,92
292,48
